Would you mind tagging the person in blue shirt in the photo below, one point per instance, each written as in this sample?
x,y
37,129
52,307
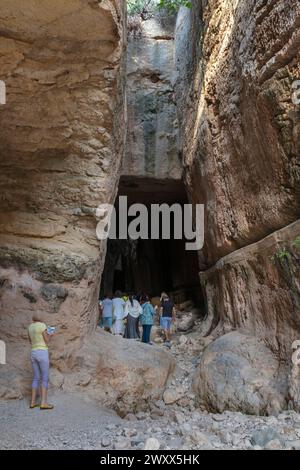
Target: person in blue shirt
x,y
118,313
146,318
106,309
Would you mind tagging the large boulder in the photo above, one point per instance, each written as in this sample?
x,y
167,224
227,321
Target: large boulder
x,y
123,374
10,383
239,373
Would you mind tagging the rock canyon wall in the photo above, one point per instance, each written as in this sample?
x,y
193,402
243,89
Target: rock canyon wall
x,y
62,142
152,138
63,132
240,142
239,132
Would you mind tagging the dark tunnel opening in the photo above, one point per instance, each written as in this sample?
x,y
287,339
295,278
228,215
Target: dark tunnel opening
x,y
152,266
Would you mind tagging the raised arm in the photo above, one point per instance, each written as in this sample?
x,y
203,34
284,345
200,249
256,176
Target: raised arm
x,y
46,336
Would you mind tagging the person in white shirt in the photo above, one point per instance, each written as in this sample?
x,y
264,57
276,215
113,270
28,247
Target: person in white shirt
x,y
133,310
118,313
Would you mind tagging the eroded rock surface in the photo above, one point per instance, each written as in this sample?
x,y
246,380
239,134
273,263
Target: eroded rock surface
x,y
152,139
239,128
257,289
62,135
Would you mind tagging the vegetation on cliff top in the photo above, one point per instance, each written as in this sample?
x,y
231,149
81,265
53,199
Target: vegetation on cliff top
x,y
144,8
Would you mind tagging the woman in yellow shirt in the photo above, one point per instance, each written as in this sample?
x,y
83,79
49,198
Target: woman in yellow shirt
x,y
39,339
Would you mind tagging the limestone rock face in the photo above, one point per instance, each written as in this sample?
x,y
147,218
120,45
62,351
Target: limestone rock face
x,y
185,322
123,374
61,144
257,289
152,138
239,373
294,378
236,64
239,133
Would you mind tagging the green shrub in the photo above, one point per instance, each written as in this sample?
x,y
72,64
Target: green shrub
x,y
136,7
296,242
281,255
146,7
173,6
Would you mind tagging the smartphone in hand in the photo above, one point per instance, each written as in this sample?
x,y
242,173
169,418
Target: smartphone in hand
x,y
50,330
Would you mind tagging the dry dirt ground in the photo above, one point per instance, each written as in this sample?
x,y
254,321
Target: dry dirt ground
x,y
79,423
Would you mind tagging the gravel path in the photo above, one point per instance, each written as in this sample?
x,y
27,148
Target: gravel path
x,y
72,424
76,424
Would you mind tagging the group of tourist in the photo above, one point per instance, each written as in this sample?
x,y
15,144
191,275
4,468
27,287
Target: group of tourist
x,y
122,315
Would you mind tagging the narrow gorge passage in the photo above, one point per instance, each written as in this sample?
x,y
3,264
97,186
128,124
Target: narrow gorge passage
x,y
162,102
148,265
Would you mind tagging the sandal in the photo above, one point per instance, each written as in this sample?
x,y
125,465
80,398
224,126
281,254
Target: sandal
x,y
34,406
46,407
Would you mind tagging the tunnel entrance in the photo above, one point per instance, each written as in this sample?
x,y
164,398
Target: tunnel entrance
x,y
151,266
